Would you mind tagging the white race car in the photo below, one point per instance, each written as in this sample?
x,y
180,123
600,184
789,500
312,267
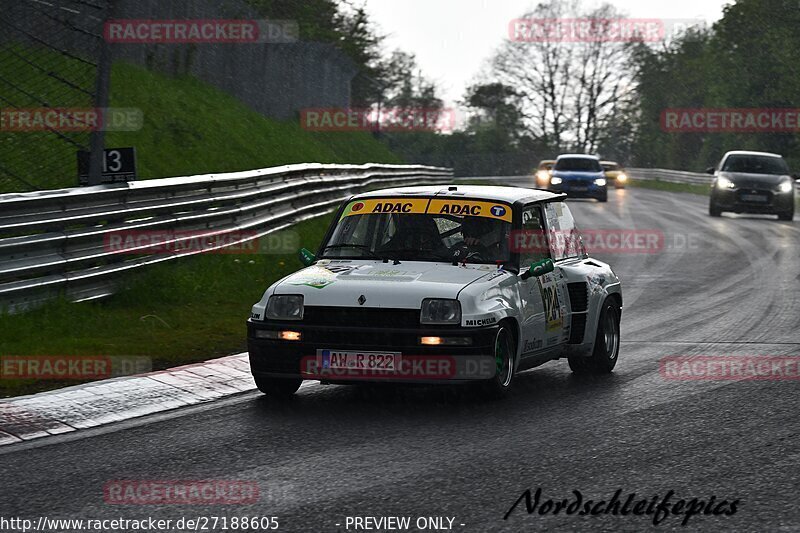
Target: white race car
x,y
439,284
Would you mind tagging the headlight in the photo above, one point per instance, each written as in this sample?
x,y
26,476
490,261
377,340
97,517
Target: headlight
x,y
439,311
786,186
600,182
542,175
724,183
622,177
555,180
285,307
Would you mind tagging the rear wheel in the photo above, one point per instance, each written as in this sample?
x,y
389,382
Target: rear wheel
x,y
505,349
278,387
606,344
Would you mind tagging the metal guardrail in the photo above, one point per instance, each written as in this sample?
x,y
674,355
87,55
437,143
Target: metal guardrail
x,y
670,176
54,243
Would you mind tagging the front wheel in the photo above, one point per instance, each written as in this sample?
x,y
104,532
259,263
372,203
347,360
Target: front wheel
x,y
606,344
713,210
278,387
505,349
787,215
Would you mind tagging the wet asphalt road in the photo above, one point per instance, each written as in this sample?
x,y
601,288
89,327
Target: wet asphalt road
x,y
724,286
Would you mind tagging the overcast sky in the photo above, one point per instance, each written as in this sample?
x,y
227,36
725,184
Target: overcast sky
x,y
453,39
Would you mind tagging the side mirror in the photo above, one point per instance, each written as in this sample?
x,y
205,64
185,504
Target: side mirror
x,y
710,170
539,268
306,257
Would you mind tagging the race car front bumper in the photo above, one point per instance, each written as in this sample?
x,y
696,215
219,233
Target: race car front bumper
x,y
423,363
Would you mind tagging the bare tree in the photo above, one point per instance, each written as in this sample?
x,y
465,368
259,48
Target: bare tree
x,y
570,84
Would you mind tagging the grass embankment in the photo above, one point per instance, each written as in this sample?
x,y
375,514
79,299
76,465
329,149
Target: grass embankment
x,y
189,128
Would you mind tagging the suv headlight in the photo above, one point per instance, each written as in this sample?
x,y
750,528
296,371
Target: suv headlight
x,y
786,186
440,311
285,307
555,180
724,183
600,182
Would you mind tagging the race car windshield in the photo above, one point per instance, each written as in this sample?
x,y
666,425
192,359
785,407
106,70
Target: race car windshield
x,y
419,237
579,164
755,164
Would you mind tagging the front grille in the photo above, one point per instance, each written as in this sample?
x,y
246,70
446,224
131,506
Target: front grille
x,y
578,296
368,317
742,194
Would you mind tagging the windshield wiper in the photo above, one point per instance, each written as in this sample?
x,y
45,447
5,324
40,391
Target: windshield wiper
x,y
353,245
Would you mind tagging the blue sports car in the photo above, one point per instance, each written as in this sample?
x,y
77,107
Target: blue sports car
x,y
580,176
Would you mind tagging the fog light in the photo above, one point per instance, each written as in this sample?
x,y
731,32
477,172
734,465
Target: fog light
x,y
276,335
290,335
447,341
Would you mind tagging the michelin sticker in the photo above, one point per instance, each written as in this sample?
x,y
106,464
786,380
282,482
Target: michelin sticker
x,y
488,321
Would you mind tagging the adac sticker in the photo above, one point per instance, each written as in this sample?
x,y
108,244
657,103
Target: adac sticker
x,y
474,208
385,205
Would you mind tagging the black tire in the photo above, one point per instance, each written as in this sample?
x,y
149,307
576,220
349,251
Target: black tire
x,y
606,344
505,347
604,198
787,215
278,387
713,210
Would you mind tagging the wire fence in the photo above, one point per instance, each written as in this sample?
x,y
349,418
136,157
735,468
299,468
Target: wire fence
x,y
50,58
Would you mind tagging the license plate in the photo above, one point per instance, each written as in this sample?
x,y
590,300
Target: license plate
x,y
338,360
579,189
754,198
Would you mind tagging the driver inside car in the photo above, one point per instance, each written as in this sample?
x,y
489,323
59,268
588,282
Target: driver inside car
x,y
483,241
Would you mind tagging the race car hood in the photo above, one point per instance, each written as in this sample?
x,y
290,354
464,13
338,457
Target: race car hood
x,y
404,286
746,180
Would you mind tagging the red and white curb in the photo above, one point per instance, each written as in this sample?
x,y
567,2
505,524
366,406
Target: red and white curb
x,y
102,402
